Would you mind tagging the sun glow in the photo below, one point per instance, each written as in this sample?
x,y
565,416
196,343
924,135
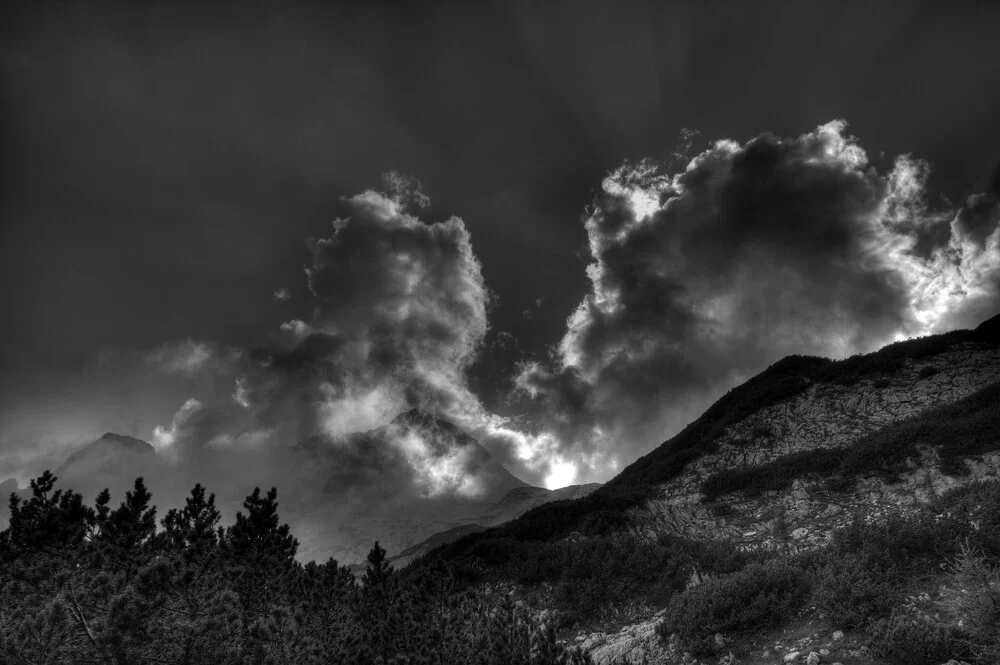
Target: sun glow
x,y
561,474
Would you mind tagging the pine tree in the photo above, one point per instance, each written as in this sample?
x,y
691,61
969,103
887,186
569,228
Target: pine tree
x,y
197,610
40,555
123,621
260,557
325,614
379,608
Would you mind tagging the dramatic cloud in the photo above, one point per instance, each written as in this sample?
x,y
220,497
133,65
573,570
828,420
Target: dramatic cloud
x,y
399,312
753,252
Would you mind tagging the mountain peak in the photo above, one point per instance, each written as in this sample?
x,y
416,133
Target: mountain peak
x,y
125,441
419,417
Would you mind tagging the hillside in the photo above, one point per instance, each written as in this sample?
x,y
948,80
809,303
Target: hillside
x,y
779,468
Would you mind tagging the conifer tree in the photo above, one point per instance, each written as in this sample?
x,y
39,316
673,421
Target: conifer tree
x,y
187,583
378,608
260,558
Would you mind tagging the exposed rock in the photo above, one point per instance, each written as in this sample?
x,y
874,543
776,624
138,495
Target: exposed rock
x,y
813,658
632,645
838,635
791,657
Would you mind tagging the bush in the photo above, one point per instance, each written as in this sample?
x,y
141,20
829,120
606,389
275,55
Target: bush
x,y
928,371
971,603
901,640
762,594
968,427
853,591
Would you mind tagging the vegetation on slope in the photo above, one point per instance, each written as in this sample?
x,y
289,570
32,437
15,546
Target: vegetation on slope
x,y
96,584
781,381
955,431
865,580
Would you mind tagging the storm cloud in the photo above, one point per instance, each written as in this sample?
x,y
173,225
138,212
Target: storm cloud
x,y
752,252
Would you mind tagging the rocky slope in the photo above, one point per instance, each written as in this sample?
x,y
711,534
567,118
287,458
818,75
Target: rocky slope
x,y
827,416
779,464
837,415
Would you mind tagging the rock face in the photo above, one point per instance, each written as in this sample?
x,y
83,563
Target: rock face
x,y
634,645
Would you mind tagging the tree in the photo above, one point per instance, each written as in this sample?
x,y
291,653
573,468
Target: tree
x,y
378,608
259,554
187,584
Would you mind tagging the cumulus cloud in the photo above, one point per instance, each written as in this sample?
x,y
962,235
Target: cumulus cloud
x,y
398,313
754,251
283,294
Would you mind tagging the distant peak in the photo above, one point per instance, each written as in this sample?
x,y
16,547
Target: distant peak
x,y
419,417
126,441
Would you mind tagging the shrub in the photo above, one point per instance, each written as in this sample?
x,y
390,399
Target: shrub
x,y
928,371
839,483
721,509
847,380
970,426
971,603
882,383
762,594
901,640
852,590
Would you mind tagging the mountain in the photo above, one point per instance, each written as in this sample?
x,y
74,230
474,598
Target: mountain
x,y
105,455
514,504
779,471
522,499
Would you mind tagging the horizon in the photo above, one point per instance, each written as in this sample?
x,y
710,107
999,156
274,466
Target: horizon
x,y
23,483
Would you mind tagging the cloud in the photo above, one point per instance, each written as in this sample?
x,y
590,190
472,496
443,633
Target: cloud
x,y
755,251
190,357
283,294
398,314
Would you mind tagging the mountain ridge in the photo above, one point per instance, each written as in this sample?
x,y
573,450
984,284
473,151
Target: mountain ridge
x,y
778,466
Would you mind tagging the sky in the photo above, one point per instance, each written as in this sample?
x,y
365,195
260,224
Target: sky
x,y
567,227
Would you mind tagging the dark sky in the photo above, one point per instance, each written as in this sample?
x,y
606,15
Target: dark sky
x,y
164,164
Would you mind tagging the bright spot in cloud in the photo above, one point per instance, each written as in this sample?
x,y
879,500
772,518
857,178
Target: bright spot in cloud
x,y
561,475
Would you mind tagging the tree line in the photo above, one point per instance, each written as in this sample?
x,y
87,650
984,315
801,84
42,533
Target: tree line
x,y
111,585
